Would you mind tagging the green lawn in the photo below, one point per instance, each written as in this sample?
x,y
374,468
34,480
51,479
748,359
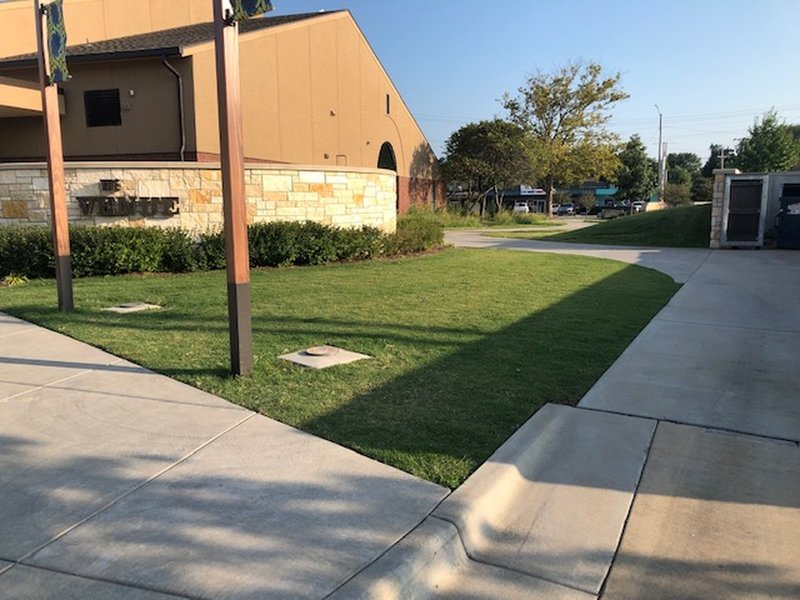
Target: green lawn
x,y
467,344
681,227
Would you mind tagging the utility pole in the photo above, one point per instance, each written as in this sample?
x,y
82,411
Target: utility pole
x,y
660,155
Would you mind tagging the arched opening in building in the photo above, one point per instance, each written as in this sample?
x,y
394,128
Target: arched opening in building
x,y
388,160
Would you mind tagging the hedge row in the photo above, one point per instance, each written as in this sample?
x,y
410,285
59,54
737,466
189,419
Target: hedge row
x,y
27,249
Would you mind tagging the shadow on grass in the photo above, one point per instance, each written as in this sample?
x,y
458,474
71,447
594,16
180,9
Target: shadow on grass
x,y
438,421
464,405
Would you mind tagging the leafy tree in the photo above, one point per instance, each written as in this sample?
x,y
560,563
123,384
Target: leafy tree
x,y
676,194
683,167
769,147
714,162
564,114
636,177
689,161
703,189
486,156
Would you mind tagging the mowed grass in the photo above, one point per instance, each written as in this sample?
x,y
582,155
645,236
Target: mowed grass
x,y
467,344
680,227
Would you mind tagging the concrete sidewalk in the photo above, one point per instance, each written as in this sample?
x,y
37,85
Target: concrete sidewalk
x,y
676,477
116,482
678,263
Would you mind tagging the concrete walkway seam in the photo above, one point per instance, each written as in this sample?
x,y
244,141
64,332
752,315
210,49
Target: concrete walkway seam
x,y
58,381
132,490
5,335
757,436
630,511
104,580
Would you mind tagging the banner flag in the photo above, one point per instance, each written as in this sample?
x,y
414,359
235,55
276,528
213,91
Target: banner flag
x,y
244,9
57,42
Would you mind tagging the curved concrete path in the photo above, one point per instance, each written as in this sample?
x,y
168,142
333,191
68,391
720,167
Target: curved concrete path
x,y
678,263
677,476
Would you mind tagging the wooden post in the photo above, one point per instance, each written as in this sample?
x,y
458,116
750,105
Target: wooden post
x,y
55,166
237,256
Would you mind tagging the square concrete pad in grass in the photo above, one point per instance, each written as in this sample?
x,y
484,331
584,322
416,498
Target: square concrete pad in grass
x,y
27,583
717,516
334,356
553,500
726,377
68,450
264,511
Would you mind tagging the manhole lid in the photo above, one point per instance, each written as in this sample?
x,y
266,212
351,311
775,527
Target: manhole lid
x,y
321,351
131,307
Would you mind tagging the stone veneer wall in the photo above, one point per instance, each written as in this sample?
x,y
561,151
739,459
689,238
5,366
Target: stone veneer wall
x,y
346,197
717,203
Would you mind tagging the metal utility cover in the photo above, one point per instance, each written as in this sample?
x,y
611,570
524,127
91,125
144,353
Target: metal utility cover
x,y
322,357
131,307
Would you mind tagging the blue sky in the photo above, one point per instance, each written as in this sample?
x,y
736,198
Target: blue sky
x,y
711,65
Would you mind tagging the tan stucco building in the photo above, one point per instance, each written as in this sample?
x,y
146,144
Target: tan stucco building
x,y
144,88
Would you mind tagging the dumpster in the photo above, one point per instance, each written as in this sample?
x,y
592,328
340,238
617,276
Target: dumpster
x,y
787,223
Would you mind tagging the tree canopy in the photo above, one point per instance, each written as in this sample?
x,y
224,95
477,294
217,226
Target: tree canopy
x,y
564,114
771,146
486,155
636,177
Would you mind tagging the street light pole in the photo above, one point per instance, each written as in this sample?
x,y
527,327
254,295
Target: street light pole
x,y
660,155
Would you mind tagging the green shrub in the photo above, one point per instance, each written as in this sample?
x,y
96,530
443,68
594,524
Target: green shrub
x,y
179,252
416,233
27,250
446,217
210,251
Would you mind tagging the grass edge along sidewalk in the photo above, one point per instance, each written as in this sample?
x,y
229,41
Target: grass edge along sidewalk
x,y
467,344
680,227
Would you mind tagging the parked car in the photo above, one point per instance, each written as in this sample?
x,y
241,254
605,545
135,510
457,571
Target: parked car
x,y
554,209
637,206
521,207
566,209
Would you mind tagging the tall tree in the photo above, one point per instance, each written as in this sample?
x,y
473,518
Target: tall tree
x,y
487,156
564,114
687,161
636,177
769,147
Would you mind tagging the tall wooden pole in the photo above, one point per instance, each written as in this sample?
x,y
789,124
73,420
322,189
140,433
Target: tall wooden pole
x,y
237,256
55,166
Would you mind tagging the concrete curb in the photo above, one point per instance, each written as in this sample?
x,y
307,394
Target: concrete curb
x,y
413,568
546,511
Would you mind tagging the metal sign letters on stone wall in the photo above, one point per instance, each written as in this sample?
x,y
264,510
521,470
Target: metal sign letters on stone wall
x,y
125,206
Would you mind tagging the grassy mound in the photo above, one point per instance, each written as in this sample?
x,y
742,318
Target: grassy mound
x,y
681,227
